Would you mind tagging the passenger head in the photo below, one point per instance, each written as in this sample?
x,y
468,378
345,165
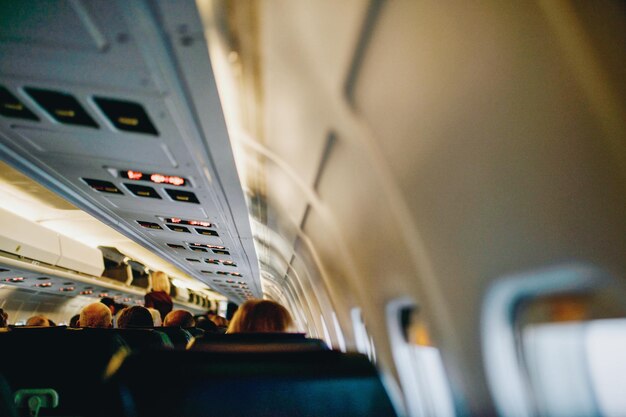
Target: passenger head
x,y
74,321
135,317
160,282
156,316
38,321
202,322
4,318
231,309
219,320
179,318
263,316
109,302
95,315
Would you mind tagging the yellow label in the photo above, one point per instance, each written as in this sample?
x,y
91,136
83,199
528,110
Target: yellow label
x,y
182,197
65,113
130,121
143,193
13,106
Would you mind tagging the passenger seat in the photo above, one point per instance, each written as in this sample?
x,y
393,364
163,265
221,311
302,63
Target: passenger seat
x,y
179,337
257,342
304,384
138,339
72,362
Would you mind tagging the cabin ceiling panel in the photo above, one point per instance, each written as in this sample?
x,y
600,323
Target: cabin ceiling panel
x,y
295,101
354,194
120,151
191,140
65,25
286,201
320,36
60,39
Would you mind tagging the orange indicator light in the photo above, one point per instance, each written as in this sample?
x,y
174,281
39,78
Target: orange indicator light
x,y
134,175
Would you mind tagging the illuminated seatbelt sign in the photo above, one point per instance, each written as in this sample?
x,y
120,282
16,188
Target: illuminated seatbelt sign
x,y
154,177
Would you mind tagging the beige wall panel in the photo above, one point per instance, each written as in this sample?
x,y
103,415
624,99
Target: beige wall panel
x,y
497,152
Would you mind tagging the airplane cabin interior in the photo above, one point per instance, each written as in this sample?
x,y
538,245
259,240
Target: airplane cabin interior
x,y
435,191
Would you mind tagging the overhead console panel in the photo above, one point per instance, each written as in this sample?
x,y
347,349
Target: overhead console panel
x,y
113,106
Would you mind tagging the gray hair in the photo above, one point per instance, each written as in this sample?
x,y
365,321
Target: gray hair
x,y
95,315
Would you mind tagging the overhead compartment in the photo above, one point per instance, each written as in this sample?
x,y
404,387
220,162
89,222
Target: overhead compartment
x,y
79,257
24,238
21,237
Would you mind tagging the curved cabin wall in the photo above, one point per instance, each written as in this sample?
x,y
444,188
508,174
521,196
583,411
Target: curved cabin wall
x,y
425,150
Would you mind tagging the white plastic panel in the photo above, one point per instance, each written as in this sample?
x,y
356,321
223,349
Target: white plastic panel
x,y
79,257
21,237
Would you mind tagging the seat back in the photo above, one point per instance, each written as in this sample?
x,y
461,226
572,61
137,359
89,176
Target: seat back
x,y
179,337
306,384
72,362
7,408
258,342
138,339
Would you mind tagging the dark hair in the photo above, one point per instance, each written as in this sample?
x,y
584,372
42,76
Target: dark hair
x,y
135,316
74,321
204,323
4,318
108,301
231,308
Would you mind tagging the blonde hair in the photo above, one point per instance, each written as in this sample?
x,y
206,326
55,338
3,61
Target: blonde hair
x,y
156,316
160,282
263,316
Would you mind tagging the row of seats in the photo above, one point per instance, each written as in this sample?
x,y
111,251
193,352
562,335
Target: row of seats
x,y
128,372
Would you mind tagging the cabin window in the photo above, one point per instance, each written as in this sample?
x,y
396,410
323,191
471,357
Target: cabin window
x,y
559,335
362,339
327,338
573,351
418,362
340,338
